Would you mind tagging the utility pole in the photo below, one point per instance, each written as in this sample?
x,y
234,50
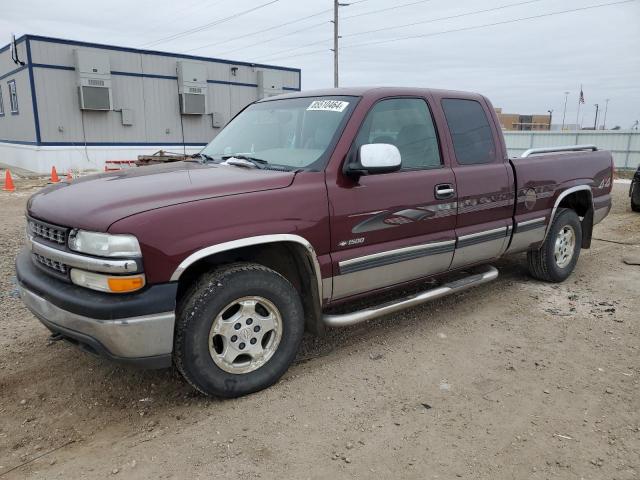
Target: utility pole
x,y
550,117
564,111
580,101
606,107
595,120
336,6
336,37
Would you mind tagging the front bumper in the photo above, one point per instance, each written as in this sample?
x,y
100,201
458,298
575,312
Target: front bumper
x,y
132,328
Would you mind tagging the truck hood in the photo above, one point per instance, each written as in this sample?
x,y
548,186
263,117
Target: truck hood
x,y
96,201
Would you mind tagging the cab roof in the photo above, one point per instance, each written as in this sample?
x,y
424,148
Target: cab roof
x,y
376,92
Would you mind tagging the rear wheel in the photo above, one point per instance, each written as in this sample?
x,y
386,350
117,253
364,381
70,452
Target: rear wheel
x,y
557,256
238,330
635,197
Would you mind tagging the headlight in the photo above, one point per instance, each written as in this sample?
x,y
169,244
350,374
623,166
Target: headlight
x,y
107,283
104,245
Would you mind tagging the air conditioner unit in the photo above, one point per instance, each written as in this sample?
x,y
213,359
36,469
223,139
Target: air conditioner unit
x,y
94,80
270,83
192,88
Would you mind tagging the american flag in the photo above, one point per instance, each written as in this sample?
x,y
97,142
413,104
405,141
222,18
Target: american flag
x,y
581,95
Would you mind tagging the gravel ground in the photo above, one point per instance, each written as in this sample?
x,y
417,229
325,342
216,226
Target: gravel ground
x,y
514,379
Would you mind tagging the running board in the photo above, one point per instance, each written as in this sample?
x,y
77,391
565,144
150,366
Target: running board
x,y
489,274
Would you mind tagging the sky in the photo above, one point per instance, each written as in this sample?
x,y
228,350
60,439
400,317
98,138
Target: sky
x,y
524,66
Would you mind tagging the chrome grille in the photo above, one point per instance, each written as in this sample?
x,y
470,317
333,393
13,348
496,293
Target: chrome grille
x,y
48,232
52,264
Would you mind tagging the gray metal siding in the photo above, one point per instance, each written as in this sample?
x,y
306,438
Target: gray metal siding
x,y
154,101
161,111
16,127
623,145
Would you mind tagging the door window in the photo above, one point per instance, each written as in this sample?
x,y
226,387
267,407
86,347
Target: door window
x,y
407,124
470,131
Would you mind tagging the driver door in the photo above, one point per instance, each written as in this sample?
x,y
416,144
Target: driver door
x,y
391,228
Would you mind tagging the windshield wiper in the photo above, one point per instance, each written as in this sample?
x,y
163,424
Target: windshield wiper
x,y
242,156
203,157
258,162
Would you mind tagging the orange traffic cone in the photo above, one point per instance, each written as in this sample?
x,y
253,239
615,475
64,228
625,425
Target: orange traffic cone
x,y
69,177
54,175
8,182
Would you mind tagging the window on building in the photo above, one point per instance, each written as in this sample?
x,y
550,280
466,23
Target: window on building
x,y
470,130
13,96
407,124
1,103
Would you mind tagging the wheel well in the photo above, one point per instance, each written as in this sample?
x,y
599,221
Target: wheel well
x,y
582,204
289,259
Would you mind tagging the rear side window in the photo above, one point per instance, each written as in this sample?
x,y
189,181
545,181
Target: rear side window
x,y
470,130
407,124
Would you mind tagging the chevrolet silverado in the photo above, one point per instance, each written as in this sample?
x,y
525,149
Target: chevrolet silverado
x,y
219,264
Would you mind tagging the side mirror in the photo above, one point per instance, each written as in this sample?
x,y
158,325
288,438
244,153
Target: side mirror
x,y
376,158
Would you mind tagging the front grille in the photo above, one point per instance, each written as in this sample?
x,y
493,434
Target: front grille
x,y
51,264
48,232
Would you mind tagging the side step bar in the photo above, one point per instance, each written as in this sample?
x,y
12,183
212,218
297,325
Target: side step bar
x,y
344,320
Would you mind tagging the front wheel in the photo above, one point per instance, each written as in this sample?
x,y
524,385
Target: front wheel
x,y
557,256
237,330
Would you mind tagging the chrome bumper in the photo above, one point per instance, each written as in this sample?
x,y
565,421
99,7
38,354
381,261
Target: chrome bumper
x,y
123,338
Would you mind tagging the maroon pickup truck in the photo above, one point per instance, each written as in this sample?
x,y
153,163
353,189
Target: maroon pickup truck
x,y
219,264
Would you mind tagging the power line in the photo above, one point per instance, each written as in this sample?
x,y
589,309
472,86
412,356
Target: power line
x,y
307,28
433,20
532,17
476,12
208,25
186,12
385,9
474,27
262,31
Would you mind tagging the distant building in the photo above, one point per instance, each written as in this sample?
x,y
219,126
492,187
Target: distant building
x,y
516,121
75,104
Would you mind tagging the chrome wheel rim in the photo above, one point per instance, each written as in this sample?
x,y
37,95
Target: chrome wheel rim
x,y
245,334
565,246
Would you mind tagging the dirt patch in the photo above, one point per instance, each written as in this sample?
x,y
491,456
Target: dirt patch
x,y
514,379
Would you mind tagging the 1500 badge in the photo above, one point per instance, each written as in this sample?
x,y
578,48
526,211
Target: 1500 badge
x,y
353,241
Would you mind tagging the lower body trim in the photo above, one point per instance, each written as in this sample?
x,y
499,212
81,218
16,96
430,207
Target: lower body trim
x,y
600,213
359,281
483,248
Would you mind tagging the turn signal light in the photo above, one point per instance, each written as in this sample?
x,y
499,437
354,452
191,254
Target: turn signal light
x,y
107,283
126,284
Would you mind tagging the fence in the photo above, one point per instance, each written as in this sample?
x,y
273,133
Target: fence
x,y
625,146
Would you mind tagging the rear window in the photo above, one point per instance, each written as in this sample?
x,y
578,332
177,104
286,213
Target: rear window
x,y
470,130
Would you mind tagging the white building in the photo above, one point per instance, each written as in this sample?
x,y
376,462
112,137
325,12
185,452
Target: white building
x,y
75,104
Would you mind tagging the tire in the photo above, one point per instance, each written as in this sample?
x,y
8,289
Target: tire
x,y
635,197
215,322
549,264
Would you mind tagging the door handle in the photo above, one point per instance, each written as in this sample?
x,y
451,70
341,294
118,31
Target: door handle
x,y
444,191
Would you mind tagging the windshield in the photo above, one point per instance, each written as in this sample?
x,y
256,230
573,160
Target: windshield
x,y
293,133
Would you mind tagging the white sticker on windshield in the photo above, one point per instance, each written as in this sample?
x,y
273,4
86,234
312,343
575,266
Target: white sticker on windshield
x,y
328,105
